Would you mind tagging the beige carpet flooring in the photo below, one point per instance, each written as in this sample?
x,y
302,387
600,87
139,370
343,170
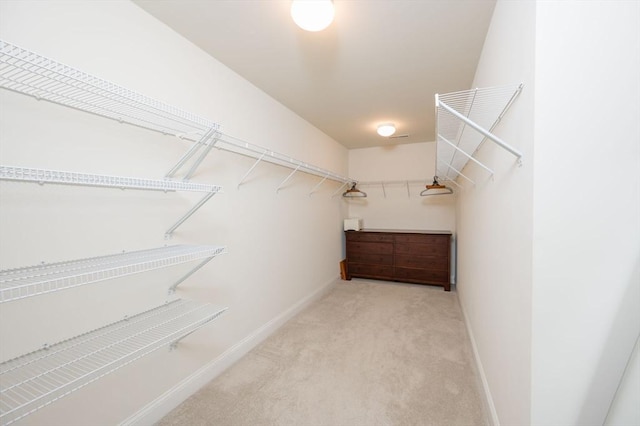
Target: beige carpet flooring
x,y
368,353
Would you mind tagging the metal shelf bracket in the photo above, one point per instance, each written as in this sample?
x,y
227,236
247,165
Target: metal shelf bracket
x,y
337,191
205,144
175,285
315,188
251,169
187,215
287,178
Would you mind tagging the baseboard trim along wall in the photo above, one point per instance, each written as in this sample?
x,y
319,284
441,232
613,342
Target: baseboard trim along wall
x,y
488,399
161,406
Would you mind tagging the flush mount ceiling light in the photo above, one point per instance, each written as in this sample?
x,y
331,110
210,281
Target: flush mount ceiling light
x,y
312,15
386,129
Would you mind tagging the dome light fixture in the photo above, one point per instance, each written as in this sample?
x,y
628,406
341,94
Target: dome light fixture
x,y
386,129
312,15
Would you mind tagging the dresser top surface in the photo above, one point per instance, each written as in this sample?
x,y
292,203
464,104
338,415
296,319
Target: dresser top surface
x,y
404,231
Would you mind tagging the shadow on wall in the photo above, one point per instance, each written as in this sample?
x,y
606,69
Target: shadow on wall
x,y
438,200
615,356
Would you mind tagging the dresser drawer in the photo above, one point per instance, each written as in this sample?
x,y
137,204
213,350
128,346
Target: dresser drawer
x,y
373,259
423,262
372,271
369,248
421,275
415,249
369,236
431,239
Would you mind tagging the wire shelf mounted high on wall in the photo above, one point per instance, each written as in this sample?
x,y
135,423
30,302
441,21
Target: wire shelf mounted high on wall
x,y
464,120
28,73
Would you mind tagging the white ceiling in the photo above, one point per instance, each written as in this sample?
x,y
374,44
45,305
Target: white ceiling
x,y
379,61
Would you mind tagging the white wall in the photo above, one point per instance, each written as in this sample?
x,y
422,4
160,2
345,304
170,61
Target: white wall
x,y
625,409
494,224
394,207
586,290
264,277
549,253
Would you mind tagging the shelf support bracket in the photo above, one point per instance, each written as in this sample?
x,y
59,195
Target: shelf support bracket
x,y
174,344
172,289
203,142
318,184
205,152
479,129
457,171
465,154
449,180
287,179
251,169
384,192
186,216
408,193
339,189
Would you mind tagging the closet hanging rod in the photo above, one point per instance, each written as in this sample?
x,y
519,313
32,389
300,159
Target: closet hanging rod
x,y
484,132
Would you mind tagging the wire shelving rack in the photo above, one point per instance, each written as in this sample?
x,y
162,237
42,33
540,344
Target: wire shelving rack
x,y
34,380
31,281
464,120
37,379
42,176
28,73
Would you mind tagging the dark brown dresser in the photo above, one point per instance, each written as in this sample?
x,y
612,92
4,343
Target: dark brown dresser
x,y
421,257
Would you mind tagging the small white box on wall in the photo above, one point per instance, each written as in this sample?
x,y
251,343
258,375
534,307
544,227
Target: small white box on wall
x,y
353,224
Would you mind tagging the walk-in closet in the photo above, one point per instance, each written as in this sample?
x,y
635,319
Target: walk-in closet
x,y
413,213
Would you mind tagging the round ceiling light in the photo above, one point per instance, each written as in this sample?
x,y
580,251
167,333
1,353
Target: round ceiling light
x,y
312,15
386,130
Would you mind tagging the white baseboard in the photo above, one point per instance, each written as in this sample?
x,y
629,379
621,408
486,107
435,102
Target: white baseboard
x,y
161,406
488,399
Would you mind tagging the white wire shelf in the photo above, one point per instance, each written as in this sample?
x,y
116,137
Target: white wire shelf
x,y
34,380
464,120
28,73
31,281
42,176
